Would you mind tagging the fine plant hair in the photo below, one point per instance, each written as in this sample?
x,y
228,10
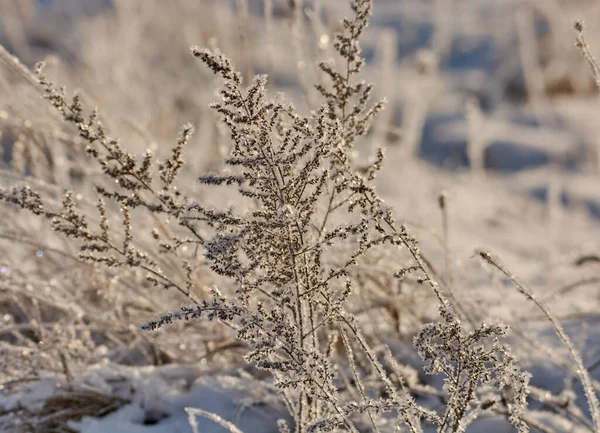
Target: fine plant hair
x,y
287,255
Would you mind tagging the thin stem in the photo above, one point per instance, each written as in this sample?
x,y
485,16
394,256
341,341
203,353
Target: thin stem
x,y
581,370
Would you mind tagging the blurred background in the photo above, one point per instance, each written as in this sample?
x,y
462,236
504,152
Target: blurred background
x,y
510,66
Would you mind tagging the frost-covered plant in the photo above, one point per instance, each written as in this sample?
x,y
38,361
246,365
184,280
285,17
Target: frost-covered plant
x,y
581,370
470,367
290,304
291,291
287,254
135,189
63,309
